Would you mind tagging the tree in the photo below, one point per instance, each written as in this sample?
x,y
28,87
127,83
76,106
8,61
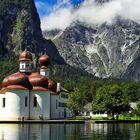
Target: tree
x,y
110,99
76,101
132,90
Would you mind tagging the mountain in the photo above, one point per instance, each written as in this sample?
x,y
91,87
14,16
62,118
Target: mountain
x,y
20,29
102,50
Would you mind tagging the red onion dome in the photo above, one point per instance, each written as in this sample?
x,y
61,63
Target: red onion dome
x,y
38,81
4,83
17,81
44,61
25,55
52,85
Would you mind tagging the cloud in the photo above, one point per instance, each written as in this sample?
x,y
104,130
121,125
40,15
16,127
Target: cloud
x,y
60,19
91,13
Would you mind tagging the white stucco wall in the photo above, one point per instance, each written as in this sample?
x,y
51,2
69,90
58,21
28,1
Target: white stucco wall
x,y
56,111
54,107
98,115
43,105
95,115
47,107
14,105
64,100
2,110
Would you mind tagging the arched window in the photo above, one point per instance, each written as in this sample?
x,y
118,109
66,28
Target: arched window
x,y
35,102
3,102
26,101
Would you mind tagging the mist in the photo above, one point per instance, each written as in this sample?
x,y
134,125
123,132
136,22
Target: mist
x,y
91,13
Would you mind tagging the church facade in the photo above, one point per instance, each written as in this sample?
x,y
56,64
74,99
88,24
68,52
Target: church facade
x,y
32,96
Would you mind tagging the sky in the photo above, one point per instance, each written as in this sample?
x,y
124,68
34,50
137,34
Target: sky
x,y
60,14
45,7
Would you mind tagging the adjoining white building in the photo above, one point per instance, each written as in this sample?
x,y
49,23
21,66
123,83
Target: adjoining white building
x,y
87,111
26,95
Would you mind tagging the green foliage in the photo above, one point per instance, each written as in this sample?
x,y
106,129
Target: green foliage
x,y
138,106
76,101
8,65
110,98
19,26
84,88
132,90
18,32
80,118
70,77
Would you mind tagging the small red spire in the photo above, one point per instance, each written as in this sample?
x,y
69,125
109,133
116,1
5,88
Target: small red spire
x,y
25,55
44,61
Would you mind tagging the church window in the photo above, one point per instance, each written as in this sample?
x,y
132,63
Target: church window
x,y
3,102
62,104
35,102
56,104
26,101
64,96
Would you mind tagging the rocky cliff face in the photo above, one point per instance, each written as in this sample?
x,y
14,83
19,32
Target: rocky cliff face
x,y
105,51
20,28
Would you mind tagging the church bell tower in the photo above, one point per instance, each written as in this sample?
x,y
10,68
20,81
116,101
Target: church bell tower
x,y
26,63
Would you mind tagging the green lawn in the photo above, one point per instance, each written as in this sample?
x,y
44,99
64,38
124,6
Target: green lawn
x,y
121,117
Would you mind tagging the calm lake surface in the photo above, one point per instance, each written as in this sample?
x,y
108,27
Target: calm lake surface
x,y
87,131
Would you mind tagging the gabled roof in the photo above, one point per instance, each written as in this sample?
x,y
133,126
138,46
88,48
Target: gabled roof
x,y
87,107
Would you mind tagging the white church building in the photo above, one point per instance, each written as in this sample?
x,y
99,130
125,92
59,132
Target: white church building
x,y
32,96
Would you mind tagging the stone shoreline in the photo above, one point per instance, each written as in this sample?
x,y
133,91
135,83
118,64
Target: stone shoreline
x,y
45,121
71,121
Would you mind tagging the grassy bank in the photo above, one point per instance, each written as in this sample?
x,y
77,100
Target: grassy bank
x,y
120,117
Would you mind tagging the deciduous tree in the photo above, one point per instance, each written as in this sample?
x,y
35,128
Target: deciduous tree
x,y
110,99
76,101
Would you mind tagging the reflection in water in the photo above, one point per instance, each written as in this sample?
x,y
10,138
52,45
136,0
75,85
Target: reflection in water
x,y
88,131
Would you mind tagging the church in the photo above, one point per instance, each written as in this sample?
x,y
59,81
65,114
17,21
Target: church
x,y
26,95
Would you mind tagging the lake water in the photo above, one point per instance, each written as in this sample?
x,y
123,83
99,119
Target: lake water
x,y
87,131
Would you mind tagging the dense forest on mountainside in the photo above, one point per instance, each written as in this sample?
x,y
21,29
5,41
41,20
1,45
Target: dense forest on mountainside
x,y
8,65
68,76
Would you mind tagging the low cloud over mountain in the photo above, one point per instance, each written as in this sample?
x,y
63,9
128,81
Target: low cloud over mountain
x,y
90,12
